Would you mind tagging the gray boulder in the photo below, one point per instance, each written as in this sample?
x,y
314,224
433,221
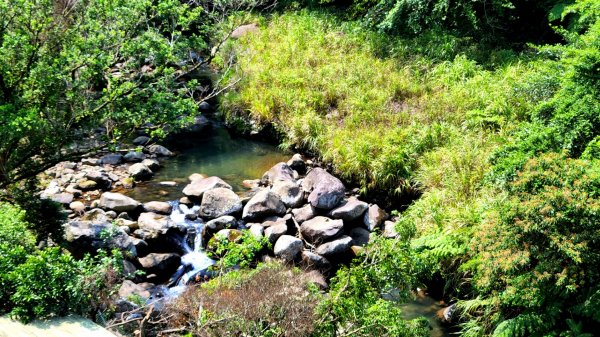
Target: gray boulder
x,y
312,260
159,207
102,180
89,236
374,217
263,204
141,140
272,233
111,159
215,225
335,248
280,171
257,230
152,164
289,191
218,202
154,225
117,202
389,230
140,171
134,157
360,236
321,229
353,209
326,191
287,247
307,212
165,264
62,198
158,150
197,187
129,289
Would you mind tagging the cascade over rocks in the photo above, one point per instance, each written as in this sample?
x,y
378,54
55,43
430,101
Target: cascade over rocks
x,y
326,191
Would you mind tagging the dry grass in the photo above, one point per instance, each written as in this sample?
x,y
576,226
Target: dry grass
x,y
272,300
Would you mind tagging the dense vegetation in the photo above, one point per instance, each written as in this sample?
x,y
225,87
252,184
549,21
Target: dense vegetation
x,y
484,114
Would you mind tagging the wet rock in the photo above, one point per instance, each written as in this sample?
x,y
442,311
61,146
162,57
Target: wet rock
x,y
287,247
353,209
129,289
279,172
161,264
199,124
141,140
326,191
218,202
186,201
312,260
447,314
141,247
111,159
117,202
297,164
305,213
335,248
140,171
360,236
374,217
321,229
88,236
159,207
197,188
389,230
263,204
62,198
158,150
155,224
134,157
152,164
289,191
272,233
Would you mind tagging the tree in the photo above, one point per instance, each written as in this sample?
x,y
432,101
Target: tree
x,y
68,66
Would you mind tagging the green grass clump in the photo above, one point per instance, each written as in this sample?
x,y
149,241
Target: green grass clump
x,y
384,112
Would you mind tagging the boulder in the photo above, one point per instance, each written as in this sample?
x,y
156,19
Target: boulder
x,y
280,171
272,233
335,248
152,164
158,150
289,191
129,289
263,204
360,236
297,164
321,229
140,171
77,207
117,202
374,217
95,215
287,247
141,140
155,224
87,185
102,179
218,224
312,260
218,202
159,207
165,264
134,157
351,210
197,187
111,159
62,198
326,191
89,236
257,230
307,212
197,176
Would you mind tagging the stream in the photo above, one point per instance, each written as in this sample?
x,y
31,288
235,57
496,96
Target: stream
x,y
234,159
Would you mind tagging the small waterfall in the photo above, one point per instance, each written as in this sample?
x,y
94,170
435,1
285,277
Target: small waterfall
x,y
194,263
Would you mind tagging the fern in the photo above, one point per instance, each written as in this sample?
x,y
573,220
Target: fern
x,y
528,324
